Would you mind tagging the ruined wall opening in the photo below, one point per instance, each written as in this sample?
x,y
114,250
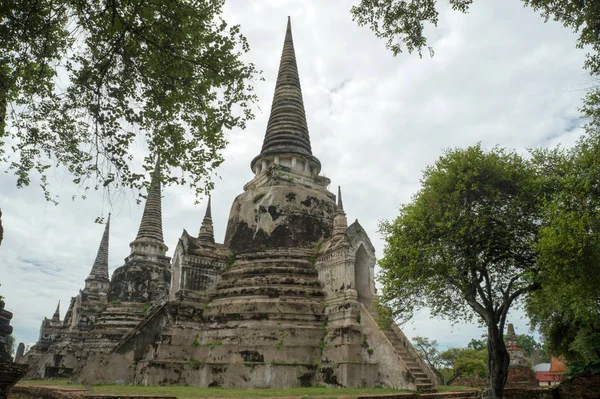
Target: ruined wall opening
x,y
362,277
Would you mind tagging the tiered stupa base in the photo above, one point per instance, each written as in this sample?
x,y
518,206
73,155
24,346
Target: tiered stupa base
x,y
264,328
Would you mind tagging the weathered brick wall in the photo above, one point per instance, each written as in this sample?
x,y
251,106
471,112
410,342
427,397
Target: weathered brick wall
x,y
521,377
585,386
528,393
10,372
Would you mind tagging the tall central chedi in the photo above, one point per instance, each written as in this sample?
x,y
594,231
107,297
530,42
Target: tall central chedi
x,y
286,300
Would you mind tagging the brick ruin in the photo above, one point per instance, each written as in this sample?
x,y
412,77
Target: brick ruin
x,y
286,300
10,372
520,373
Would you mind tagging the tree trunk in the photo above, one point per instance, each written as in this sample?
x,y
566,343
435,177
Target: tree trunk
x,y
455,375
497,364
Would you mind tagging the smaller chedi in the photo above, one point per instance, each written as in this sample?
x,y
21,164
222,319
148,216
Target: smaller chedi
x,y
106,310
520,373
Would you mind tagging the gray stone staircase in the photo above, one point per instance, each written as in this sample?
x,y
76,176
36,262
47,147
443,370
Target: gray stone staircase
x,y
423,379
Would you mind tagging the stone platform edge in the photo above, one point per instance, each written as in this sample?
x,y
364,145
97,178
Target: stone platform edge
x,y
50,392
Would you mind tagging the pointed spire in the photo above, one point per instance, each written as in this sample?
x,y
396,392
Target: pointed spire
x,y
340,222
151,225
207,234
287,130
100,267
56,316
340,205
511,337
208,213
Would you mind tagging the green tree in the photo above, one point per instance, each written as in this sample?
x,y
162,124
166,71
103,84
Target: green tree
x,y
402,22
567,307
478,344
464,362
429,352
81,80
465,245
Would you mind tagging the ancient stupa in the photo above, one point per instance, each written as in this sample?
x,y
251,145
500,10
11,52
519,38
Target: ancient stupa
x,y
286,300
520,372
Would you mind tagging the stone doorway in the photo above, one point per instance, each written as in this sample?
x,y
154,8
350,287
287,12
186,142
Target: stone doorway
x,y
362,277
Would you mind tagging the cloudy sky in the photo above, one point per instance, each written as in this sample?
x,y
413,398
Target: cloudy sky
x,y
499,76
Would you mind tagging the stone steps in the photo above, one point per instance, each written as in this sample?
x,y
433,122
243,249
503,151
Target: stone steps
x,y
422,380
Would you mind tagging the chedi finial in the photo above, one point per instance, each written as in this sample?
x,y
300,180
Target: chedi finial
x,y
151,224
56,316
207,234
287,129
340,222
100,267
340,204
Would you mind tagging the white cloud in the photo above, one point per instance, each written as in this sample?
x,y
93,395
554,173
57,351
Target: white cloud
x,y
499,76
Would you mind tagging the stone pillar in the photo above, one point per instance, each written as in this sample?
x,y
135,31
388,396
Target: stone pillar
x,y
20,351
10,372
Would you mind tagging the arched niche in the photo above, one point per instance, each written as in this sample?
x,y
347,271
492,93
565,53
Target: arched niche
x,y
362,275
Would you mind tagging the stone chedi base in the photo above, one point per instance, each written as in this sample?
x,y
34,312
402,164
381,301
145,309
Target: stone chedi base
x,y
10,372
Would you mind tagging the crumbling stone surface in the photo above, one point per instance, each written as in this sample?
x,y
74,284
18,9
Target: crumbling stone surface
x,y
279,216
140,280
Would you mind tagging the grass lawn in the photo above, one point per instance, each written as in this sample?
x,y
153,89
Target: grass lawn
x,y
195,392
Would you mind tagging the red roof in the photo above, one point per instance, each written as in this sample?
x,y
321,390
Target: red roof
x,y
556,366
543,376
546,376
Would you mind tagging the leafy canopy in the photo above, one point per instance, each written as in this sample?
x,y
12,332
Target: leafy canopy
x,y
82,80
465,362
402,22
566,309
453,362
466,242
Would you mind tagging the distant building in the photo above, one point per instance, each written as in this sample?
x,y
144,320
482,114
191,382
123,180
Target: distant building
x,y
548,374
